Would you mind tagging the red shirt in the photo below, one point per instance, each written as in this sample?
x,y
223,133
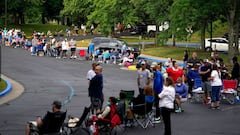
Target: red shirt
x,y
174,73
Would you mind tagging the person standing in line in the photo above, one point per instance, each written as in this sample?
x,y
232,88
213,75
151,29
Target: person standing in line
x,y
64,48
205,73
216,84
193,60
143,77
185,59
166,103
157,87
91,51
73,46
34,46
95,90
91,73
235,70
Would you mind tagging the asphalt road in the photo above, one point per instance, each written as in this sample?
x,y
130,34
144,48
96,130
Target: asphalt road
x,y
46,79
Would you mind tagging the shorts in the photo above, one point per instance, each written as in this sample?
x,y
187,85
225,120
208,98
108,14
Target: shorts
x,y
177,95
73,49
96,103
206,87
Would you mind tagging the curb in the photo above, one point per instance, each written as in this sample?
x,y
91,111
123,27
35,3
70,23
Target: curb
x,y
158,60
7,90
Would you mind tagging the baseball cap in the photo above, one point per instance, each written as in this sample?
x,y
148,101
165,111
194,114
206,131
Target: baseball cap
x,y
154,64
205,60
143,63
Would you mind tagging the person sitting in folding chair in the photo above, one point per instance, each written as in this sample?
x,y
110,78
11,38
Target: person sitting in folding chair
x,y
181,94
109,114
142,107
51,123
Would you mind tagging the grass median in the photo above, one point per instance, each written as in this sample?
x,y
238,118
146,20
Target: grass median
x,y
3,85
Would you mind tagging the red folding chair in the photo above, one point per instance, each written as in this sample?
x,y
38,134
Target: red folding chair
x,y
229,92
82,53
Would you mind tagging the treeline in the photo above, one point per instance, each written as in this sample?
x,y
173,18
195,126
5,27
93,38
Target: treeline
x,y
181,15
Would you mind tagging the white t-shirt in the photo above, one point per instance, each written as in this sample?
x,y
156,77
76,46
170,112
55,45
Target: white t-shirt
x,y
167,97
64,45
90,74
216,78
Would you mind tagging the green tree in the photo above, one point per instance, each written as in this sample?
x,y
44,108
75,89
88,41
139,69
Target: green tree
x,y
51,10
77,10
17,9
197,14
109,12
233,18
158,13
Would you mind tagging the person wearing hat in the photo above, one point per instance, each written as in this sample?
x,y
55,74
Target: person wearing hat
x,y
158,81
40,123
143,77
205,73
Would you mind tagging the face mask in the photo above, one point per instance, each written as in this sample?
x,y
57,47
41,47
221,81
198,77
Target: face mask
x,y
179,84
108,103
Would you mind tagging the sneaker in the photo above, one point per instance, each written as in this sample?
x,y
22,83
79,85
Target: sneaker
x,y
157,121
157,118
217,107
177,111
212,108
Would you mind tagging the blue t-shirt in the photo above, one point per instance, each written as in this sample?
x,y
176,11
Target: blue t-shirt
x,y
91,47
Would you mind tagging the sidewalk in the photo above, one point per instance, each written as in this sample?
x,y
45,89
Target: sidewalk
x,y
157,59
17,90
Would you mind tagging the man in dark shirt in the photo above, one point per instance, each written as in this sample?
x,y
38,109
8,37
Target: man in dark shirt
x,y
95,90
193,60
235,69
205,73
41,124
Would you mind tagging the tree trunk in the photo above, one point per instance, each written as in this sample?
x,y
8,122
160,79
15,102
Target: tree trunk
x,y
156,35
173,40
231,21
43,18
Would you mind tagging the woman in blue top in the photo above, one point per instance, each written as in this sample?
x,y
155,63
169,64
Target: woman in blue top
x,y
181,94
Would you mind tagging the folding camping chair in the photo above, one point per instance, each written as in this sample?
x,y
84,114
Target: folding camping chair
x,y
77,126
128,99
143,113
83,55
229,92
197,92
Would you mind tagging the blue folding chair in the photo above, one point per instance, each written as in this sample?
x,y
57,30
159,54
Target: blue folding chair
x,y
197,93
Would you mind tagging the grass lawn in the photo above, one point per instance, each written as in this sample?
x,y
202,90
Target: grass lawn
x,y
83,43
173,52
177,53
3,85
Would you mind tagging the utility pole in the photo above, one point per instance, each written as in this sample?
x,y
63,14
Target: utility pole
x,y
5,13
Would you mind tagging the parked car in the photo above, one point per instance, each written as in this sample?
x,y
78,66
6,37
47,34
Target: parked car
x,y
219,44
104,43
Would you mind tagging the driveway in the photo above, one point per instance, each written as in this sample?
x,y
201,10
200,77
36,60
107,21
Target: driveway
x,y
46,79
